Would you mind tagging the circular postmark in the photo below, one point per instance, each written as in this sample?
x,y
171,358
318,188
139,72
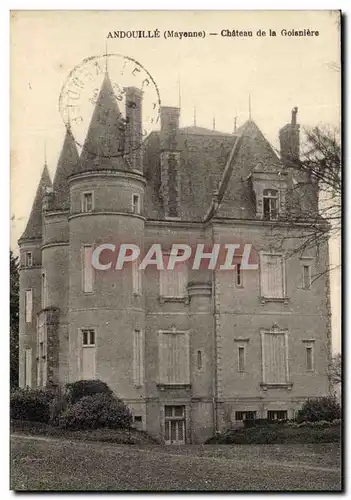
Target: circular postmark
x,y
127,79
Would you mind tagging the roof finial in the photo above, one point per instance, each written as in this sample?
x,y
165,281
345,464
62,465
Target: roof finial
x,y
45,159
293,115
194,116
249,106
106,58
214,122
179,93
235,118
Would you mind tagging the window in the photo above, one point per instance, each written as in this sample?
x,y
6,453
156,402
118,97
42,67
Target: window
x,y
88,369
29,305
28,368
306,277
245,415
277,415
238,275
44,290
241,358
136,204
199,360
88,270
138,358
174,358
87,202
137,276
274,357
173,283
270,204
88,337
29,259
309,358
138,418
272,276
174,424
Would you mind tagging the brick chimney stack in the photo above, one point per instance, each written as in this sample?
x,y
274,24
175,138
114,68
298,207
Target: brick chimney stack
x,y
133,139
170,162
289,136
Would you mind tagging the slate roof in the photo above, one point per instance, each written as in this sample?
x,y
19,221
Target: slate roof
x,y
205,168
34,225
68,159
105,136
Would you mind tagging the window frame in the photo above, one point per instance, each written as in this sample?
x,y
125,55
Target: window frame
x,y
83,198
275,331
186,379
89,344
238,272
136,207
138,381
270,198
84,290
28,262
166,297
137,278
28,313
309,344
283,297
241,348
244,414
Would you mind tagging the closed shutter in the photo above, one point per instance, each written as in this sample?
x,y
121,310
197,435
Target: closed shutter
x,y
274,358
88,363
173,358
88,274
173,283
272,276
28,368
138,362
29,305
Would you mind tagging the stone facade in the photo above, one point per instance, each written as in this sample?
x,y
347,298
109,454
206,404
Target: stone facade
x,y
188,185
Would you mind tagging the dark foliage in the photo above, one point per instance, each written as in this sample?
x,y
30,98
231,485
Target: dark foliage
x,y
14,319
31,404
77,390
324,408
96,411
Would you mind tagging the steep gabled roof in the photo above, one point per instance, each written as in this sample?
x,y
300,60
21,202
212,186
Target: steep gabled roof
x,y
194,130
67,161
252,152
34,225
105,138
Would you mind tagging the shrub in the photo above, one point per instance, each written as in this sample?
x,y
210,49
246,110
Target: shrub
x,y
31,404
81,388
324,408
92,412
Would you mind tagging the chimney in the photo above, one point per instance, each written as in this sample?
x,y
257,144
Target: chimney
x,y
170,162
133,137
169,128
289,137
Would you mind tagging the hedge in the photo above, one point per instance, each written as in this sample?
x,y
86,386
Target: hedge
x,y
81,388
31,404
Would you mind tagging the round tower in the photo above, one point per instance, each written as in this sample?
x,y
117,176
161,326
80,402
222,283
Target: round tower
x,y
106,307
30,287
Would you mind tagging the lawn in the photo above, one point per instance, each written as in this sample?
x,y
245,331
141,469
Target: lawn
x,y
47,464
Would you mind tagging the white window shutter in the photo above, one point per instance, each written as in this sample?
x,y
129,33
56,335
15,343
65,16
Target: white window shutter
x,y
88,275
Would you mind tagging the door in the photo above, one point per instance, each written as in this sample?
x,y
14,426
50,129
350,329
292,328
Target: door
x,y
175,424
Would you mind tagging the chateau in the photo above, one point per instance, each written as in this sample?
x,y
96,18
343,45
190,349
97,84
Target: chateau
x,y
189,351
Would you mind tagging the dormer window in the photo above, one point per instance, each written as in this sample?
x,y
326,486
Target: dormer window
x,y
87,202
270,204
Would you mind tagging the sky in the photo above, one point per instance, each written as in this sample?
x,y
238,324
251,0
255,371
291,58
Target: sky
x,y
215,75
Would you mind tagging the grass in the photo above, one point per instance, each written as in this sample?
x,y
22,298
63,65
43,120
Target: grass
x,y
118,436
46,464
279,434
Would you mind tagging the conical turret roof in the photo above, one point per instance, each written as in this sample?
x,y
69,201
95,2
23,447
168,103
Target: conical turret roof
x,y
68,159
34,225
104,143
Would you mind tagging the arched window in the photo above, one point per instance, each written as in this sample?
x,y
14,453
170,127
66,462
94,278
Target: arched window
x,y
270,204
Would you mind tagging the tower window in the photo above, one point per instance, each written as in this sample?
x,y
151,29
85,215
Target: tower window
x,y
199,360
88,337
136,204
306,277
29,305
241,358
87,202
309,358
29,259
238,275
270,204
